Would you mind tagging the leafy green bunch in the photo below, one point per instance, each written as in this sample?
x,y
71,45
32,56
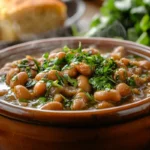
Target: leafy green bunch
x,y
128,19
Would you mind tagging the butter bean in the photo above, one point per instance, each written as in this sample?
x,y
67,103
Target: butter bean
x,y
123,89
52,74
22,92
84,69
83,83
10,74
52,106
112,95
20,79
39,89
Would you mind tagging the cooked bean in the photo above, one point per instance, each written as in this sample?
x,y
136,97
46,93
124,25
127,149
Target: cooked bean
x,y
123,89
104,104
120,74
129,73
3,92
20,79
78,104
55,90
22,92
82,95
136,91
118,52
79,80
28,57
52,74
139,80
121,50
72,72
83,83
10,74
125,61
116,56
41,60
135,63
145,64
52,55
41,75
33,73
39,89
84,69
91,51
58,98
112,95
61,55
138,71
52,106
69,91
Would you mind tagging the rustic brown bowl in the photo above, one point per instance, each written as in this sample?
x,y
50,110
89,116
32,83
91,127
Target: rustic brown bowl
x,y
125,127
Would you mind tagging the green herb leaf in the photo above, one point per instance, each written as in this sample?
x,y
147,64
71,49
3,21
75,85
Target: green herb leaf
x,y
3,78
72,81
145,23
102,79
67,103
131,82
37,65
132,34
66,49
101,83
46,55
30,83
23,100
144,39
95,21
42,100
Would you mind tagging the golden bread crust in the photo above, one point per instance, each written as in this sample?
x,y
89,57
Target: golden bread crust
x,y
21,18
14,6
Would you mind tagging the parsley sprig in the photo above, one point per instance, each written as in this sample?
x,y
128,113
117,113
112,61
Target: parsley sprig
x,y
103,77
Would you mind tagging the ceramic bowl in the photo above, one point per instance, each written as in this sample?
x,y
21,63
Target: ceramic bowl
x,y
124,127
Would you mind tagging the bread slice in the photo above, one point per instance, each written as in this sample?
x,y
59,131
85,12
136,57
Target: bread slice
x,y
22,18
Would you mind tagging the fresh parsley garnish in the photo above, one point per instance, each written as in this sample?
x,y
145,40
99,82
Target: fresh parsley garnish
x,y
103,77
3,78
46,55
30,83
131,81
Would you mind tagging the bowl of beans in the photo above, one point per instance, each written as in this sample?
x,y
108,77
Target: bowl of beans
x,y
75,93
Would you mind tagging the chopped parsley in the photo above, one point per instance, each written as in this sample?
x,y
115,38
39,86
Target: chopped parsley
x,y
131,81
103,77
72,81
30,83
46,55
3,78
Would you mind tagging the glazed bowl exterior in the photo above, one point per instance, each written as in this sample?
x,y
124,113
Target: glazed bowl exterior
x,y
124,127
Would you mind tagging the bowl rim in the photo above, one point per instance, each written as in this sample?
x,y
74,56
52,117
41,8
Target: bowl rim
x,y
30,114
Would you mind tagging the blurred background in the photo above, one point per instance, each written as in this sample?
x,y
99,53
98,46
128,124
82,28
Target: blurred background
x,y
27,20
